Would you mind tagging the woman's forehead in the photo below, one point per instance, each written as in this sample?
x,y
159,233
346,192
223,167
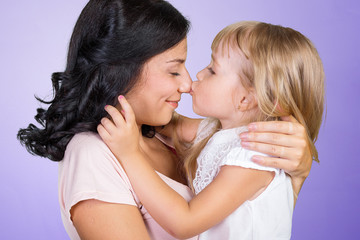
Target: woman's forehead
x,y
174,55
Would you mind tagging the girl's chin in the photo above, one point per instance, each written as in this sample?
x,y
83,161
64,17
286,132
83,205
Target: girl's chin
x,y
196,110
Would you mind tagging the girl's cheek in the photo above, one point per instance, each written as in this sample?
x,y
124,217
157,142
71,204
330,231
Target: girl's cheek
x,y
198,88
194,85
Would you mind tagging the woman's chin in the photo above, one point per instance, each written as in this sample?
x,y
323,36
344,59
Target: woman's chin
x,y
160,120
166,120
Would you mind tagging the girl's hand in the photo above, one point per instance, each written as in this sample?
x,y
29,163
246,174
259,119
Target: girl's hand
x,y
287,142
121,134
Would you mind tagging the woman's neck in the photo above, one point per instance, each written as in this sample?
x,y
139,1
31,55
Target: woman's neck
x,y
161,158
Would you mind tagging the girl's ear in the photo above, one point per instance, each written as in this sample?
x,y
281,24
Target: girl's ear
x,y
248,102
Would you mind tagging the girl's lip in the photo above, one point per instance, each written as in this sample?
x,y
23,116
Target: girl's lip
x,y
191,92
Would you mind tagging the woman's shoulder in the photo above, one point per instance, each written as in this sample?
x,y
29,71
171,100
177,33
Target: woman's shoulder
x,y
89,170
87,155
88,138
89,146
86,141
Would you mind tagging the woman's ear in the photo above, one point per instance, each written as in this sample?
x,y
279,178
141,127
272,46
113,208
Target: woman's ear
x,y
248,102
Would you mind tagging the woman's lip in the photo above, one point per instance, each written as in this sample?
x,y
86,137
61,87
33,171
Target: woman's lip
x,y
174,104
191,92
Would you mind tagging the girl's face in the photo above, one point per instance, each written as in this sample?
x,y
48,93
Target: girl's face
x,y
163,80
218,92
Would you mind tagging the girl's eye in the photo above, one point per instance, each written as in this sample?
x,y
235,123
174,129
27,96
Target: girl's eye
x,y
175,74
211,70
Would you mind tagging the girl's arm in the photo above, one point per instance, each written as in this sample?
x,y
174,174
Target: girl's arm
x,y
231,188
171,211
285,140
94,219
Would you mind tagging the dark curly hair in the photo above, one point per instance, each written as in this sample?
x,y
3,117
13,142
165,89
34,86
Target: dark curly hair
x,y
111,41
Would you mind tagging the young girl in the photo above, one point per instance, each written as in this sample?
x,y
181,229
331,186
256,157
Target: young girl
x,y
258,72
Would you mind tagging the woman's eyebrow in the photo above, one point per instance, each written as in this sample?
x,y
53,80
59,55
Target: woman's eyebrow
x,y
176,60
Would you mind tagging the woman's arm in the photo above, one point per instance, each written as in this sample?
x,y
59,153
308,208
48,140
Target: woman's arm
x,y
186,128
94,219
285,140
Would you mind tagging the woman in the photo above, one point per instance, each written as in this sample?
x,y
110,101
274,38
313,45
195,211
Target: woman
x,y
135,48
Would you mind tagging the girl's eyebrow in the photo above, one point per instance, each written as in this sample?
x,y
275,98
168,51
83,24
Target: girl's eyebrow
x,y
176,60
213,59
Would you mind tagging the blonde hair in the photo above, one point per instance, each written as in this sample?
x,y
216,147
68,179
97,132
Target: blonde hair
x,y
285,71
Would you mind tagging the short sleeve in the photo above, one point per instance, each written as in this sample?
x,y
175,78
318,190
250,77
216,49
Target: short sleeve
x,y
241,157
205,128
90,171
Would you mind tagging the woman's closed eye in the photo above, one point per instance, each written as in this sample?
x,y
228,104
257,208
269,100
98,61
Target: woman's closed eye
x,y
175,74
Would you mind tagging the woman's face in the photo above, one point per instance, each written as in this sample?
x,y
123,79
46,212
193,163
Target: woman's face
x,y
163,80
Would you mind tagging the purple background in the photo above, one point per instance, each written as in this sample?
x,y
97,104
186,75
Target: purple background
x,y
33,42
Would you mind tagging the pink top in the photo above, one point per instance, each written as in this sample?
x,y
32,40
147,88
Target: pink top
x,y
89,170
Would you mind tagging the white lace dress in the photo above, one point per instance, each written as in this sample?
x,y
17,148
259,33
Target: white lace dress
x,y
268,216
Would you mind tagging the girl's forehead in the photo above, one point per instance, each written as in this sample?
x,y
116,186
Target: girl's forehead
x,y
227,49
231,58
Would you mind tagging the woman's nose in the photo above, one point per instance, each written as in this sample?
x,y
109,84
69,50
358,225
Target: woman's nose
x,y
185,84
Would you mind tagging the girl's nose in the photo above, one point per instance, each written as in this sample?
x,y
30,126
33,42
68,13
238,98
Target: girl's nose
x,y
200,75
